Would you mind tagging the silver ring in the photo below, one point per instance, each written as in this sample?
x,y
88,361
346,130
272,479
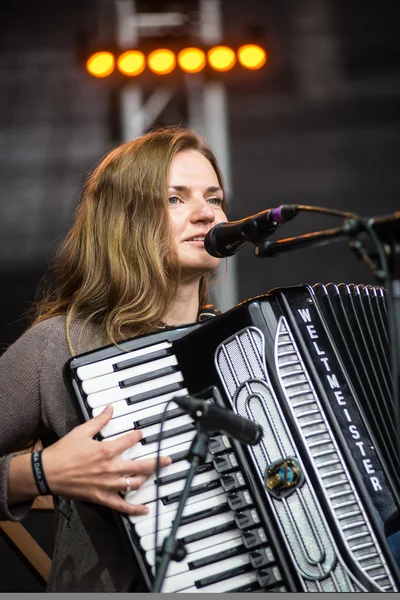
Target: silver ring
x,y
128,485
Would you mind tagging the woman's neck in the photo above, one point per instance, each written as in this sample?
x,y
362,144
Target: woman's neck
x,y
186,306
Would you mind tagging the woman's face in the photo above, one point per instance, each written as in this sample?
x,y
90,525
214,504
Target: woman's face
x,y
195,206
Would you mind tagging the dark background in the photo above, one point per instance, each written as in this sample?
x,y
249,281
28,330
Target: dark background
x,y
318,126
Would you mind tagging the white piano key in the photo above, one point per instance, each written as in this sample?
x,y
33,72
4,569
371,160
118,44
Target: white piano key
x,y
175,568
147,541
224,536
106,365
201,546
166,508
181,581
126,423
167,425
148,494
121,407
145,412
177,445
148,450
117,393
165,521
110,380
223,586
177,467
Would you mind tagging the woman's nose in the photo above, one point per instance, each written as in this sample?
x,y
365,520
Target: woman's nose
x,y
203,211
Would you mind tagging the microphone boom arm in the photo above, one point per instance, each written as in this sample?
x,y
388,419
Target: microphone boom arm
x,y
350,228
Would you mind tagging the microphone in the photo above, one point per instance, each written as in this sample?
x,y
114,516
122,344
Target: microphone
x,y
225,239
214,418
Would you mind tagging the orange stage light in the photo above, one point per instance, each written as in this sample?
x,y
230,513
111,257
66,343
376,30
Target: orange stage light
x,y
221,58
101,64
131,62
252,56
161,61
192,60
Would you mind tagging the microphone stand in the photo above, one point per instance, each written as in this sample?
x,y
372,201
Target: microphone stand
x,y
171,548
317,238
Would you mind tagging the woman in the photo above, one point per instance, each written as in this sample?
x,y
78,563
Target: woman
x,y
134,261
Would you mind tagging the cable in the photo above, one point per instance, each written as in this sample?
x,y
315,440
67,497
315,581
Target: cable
x,y
157,484
329,211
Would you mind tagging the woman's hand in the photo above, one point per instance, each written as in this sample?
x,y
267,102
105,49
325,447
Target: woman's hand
x,y
80,467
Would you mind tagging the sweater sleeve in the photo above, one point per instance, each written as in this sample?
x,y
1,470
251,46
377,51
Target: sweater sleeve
x,y
20,406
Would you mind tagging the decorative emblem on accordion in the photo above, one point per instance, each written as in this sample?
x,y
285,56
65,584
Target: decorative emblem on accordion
x,y
283,476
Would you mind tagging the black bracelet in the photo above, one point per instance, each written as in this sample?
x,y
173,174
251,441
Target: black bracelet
x,y
38,473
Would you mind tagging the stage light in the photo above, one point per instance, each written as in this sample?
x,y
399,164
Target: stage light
x,y
252,56
101,64
161,61
192,60
131,63
221,58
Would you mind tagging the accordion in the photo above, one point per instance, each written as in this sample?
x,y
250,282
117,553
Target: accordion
x,y
311,505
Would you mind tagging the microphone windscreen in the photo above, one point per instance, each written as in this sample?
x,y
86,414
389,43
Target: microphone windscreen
x,y
225,420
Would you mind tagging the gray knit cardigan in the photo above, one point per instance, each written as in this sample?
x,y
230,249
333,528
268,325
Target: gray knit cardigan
x,y
89,553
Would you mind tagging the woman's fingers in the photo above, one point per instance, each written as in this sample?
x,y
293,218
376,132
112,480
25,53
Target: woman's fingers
x,y
116,502
87,469
94,425
143,466
128,483
126,441
137,465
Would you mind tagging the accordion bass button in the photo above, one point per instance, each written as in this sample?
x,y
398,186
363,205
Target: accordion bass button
x,y
232,481
225,463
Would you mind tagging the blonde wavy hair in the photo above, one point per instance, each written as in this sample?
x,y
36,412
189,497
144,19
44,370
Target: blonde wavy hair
x,y
117,266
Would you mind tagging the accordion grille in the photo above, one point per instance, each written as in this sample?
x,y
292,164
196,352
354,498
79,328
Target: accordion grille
x,y
243,372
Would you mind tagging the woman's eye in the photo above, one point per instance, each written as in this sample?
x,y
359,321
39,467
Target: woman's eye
x,y
217,201
173,199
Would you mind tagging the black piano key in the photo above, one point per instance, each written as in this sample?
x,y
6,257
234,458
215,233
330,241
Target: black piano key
x,y
254,538
219,444
204,514
148,376
240,500
269,577
225,463
200,583
205,533
254,586
182,455
246,519
168,433
233,481
213,558
182,474
166,389
141,360
157,418
262,557
197,489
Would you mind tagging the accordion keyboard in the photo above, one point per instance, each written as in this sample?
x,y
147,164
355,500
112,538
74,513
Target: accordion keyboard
x,y
227,548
